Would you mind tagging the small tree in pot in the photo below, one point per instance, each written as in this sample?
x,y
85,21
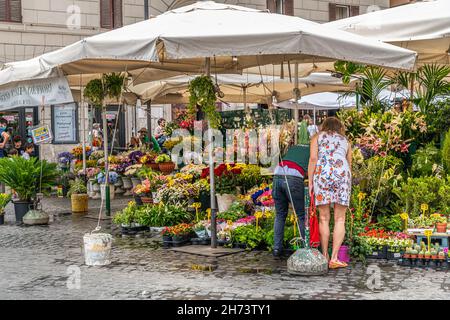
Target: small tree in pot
x,y
27,178
78,196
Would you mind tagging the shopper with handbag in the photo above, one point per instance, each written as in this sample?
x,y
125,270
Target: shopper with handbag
x,y
330,171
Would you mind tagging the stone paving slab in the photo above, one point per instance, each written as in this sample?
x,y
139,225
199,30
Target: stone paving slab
x,y
46,262
206,251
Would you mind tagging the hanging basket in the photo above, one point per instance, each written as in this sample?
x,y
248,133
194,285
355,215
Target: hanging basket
x,y
167,167
153,166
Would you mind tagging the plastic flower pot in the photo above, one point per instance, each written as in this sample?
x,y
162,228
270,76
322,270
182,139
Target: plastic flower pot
x,y
138,200
2,219
343,254
21,208
441,227
79,203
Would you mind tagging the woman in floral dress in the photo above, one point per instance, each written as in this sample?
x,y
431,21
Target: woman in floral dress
x,y
329,169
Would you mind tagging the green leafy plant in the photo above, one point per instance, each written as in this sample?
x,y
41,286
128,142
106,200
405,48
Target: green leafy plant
x,y
202,94
146,173
77,187
163,158
26,177
446,152
426,161
110,85
4,200
235,212
249,235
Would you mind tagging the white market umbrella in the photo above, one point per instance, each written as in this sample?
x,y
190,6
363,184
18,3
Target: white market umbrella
x,y
423,27
249,88
238,38
233,37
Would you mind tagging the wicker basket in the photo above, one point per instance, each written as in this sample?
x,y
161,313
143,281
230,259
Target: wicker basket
x,y
167,167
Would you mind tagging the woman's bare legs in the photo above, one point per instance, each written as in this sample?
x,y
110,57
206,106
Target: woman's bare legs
x,y
324,228
339,230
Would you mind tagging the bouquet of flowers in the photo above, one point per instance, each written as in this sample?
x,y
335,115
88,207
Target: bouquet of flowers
x,y
135,156
96,155
132,170
92,172
266,199
113,177
77,152
193,169
123,166
65,158
146,188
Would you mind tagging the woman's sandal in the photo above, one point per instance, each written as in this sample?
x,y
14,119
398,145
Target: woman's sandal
x,y
337,264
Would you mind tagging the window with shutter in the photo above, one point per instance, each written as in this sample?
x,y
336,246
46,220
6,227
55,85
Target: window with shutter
x,y
332,11
11,10
106,14
15,9
3,15
272,5
117,15
354,11
289,7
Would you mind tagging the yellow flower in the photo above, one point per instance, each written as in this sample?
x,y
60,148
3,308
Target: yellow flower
x,y
258,215
196,205
404,216
361,196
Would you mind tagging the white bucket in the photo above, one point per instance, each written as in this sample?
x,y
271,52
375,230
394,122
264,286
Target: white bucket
x,y
97,249
111,191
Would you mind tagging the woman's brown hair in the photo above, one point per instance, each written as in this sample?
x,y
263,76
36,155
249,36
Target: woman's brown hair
x,y
333,124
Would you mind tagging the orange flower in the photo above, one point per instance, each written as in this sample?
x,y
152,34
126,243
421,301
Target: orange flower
x,y
319,197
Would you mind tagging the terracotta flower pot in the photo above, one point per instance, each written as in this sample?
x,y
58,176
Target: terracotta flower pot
x,y
167,167
413,256
420,256
407,256
427,256
441,227
79,203
434,256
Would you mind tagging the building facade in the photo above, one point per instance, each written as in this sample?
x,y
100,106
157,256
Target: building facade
x,y
29,28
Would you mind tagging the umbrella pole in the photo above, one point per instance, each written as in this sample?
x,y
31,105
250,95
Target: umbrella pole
x,y
296,111
211,173
105,146
314,115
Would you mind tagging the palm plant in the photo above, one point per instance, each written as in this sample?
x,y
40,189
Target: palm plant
x,y
27,177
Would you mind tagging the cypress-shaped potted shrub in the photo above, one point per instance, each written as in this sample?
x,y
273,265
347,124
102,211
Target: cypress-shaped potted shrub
x,y
78,196
27,178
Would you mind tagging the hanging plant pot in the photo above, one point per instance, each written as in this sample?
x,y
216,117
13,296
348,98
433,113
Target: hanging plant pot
x,y
167,167
79,203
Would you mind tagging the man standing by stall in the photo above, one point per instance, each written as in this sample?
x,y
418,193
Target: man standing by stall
x,y
289,188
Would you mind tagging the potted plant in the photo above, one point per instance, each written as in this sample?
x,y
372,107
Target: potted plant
x,y
225,185
414,253
4,200
427,254
165,164
167,235
101,179
27,178
440,222
148,160
144,192
78,196
407,253
64,160
181,232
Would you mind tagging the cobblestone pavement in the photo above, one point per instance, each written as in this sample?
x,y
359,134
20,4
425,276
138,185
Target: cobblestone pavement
x,y
40,263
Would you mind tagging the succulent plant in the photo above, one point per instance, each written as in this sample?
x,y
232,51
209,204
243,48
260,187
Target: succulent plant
x,y
414,251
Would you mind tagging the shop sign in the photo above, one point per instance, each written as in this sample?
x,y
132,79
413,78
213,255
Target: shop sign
x,y
33,93
41,134
64,122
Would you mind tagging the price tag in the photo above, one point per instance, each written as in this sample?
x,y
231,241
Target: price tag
x,y
374,253
397,255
